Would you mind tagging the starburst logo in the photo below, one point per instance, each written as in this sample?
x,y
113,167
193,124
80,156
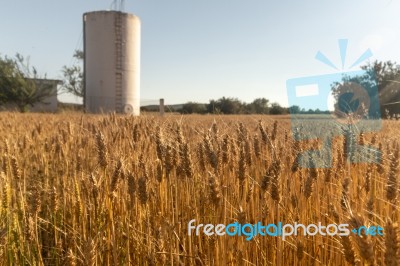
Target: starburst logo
x,y
343,52
356,110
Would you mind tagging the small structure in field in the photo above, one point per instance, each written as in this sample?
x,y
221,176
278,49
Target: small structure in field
x,y
49,104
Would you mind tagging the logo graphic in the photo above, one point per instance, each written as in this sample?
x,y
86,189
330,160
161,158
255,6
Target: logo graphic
x,y
250,231
355,110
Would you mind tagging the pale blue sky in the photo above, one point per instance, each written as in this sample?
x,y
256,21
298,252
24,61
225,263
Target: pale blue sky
x,y
202,50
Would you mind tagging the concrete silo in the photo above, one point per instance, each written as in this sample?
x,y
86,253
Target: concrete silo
x,y
111,62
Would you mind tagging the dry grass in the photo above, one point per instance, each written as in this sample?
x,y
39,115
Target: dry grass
x,y
115,190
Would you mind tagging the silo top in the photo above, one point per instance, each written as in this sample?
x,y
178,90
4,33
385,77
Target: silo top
x,y
105,12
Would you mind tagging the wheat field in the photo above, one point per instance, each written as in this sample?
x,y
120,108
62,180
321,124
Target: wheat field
x,y
115,190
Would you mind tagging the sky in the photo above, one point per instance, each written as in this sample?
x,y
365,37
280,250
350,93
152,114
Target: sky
x,y
202,50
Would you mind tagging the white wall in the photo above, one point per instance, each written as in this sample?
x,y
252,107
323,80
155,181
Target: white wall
x,y
102,50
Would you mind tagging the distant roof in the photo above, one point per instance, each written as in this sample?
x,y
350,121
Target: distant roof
x,y
47,80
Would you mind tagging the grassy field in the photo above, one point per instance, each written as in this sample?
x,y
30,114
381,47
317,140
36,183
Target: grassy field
x,y
115,190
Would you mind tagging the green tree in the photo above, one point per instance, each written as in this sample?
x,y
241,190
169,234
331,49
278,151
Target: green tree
x,y
226,106
294,109
277,109
18,83
7,70
73,77
258,106
384,75
193,108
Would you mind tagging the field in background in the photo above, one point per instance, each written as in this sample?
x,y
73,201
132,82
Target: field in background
x,y
116,190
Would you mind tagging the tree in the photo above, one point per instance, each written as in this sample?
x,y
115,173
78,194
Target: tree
x,y
258,106
276,109
384,75
18,83
294,109
7,69
212,108
226,106
193,107
73,77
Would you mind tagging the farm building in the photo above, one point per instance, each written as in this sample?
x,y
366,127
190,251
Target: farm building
x,y
50,104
